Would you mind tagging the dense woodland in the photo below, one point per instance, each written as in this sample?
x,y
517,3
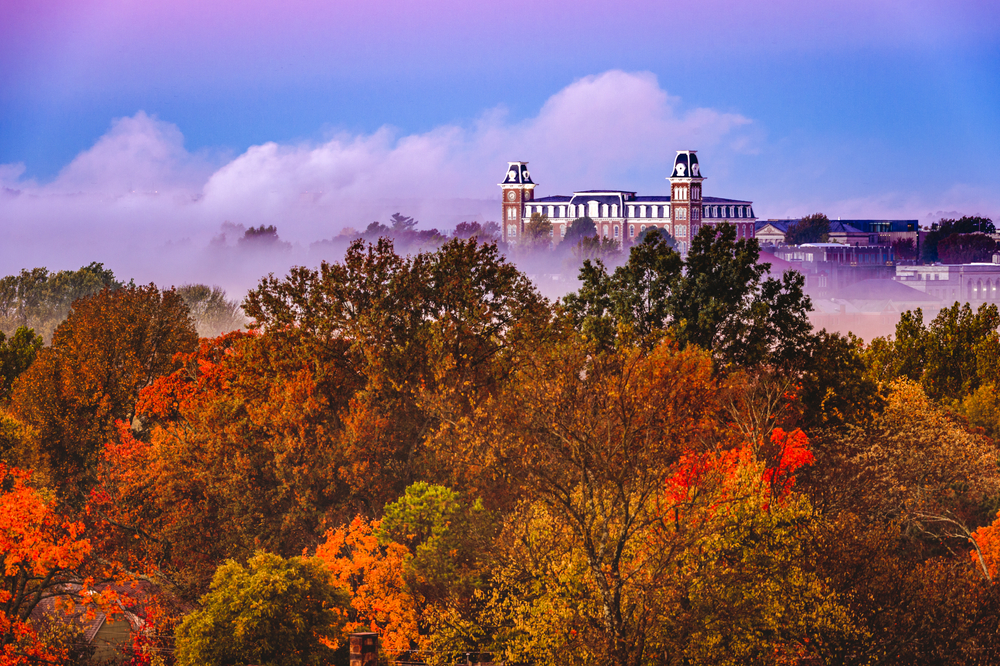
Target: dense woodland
x,y
668,466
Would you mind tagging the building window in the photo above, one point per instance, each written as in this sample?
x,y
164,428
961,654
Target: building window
x,y
616,231
681,231
642,228
592,208
511,230
682,214
631,230
604,210
631,211
614,210
695,215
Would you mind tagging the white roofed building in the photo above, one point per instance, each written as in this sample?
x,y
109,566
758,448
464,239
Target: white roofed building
x,y
623,215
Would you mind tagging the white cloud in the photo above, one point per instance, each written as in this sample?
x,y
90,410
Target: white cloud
x,y
143,204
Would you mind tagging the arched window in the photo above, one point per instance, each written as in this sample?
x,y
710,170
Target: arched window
x,y
616,231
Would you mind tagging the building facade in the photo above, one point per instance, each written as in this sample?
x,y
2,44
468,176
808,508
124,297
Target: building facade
x,y
622,215
972,283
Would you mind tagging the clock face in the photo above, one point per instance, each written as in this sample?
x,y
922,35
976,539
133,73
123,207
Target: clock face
x,y
511,195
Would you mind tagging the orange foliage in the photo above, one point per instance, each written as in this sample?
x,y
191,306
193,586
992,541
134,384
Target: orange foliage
x,y
373,576
39,551
988,540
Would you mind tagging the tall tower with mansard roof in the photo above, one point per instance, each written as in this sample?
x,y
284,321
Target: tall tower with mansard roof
x,y
516,189
685,196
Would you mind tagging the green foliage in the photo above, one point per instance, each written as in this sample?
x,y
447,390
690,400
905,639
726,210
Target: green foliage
x,y
40,300
836,387
663,233
16,354
718,299
537,233
966,248
813,228
271,612
944,228
951,358
634,296
578,229
212,312
446,540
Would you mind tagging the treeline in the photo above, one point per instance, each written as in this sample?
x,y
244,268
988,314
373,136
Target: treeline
x,y
668,466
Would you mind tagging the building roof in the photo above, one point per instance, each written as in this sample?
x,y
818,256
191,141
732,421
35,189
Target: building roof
x,y
780,225
842,227
882,290
720,200
555,198
517,174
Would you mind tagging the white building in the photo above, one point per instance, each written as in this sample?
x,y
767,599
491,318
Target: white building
x,y
623,215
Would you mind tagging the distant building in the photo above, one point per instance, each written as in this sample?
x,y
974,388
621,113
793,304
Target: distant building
x,y
623,215
847,232
829,267
973,283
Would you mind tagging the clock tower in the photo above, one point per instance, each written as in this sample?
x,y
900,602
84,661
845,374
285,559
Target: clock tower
x,y
516,189
685,197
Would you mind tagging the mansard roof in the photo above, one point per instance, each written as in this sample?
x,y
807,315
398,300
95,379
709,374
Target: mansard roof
x,y
555,198
719,200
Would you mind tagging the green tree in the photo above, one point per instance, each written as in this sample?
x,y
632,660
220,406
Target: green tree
x,y
724,304
813,228
634,296
16,354
447,538
578,229
40,300
951,358
945,227
663,233
537,233
271,612
212,312
966,248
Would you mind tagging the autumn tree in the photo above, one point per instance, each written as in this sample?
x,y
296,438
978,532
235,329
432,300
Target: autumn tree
x,y
41,558
244,449
111,346
441,322
272,612
594,454
373,576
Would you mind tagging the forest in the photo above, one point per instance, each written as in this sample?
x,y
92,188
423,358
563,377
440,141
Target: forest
x,y
668,466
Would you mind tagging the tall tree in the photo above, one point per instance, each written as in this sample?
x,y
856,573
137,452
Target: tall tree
x,y
16,354
111,346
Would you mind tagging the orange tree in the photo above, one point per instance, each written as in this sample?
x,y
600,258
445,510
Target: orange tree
x,y
42,556
447,321
243,451
112,345
591,437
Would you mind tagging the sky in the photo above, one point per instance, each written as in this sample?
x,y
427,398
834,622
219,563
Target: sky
x,y
131,131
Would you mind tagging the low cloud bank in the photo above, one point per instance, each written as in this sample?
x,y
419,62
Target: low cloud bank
x,y
148,208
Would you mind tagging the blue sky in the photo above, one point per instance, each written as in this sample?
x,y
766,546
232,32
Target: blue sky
x,y
320,115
